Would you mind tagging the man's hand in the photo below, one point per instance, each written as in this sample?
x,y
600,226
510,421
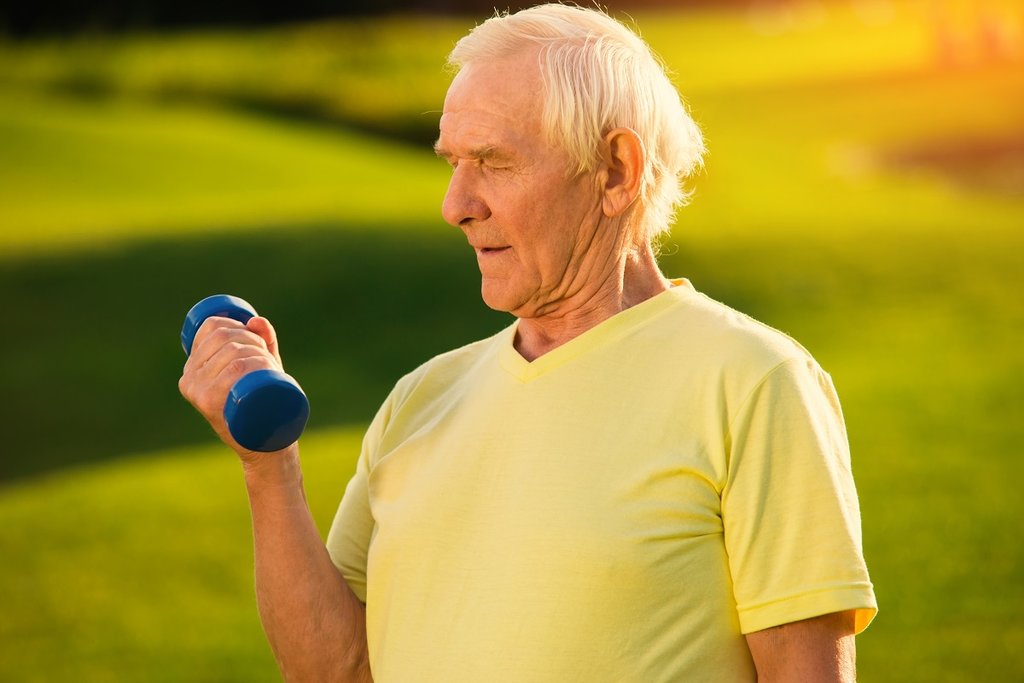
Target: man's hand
x,y
818,650
223,351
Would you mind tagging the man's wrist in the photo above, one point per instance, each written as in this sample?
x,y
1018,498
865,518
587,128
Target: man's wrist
x,y
275,470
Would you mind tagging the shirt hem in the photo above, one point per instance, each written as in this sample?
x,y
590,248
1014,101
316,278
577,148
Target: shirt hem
x,y
860,598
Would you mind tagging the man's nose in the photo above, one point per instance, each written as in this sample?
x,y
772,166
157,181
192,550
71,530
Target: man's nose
x,y
464,203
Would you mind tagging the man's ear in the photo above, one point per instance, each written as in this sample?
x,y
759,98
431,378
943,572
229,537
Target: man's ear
x,y
624,164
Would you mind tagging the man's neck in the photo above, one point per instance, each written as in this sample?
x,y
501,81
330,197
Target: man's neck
x,y
637,279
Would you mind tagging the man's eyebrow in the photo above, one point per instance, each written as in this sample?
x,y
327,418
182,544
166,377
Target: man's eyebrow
x,y
482,153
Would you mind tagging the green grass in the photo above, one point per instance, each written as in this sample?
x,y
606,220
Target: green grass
x,y
158,184
355,306
143,570
87,173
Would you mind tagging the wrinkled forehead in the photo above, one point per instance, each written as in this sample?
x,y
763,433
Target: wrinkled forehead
x,y
497,98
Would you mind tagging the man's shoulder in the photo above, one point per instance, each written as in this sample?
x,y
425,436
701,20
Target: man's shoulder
x,y
721,334
445,368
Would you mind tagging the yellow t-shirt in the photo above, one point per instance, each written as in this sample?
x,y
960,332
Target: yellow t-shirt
x,y
623,508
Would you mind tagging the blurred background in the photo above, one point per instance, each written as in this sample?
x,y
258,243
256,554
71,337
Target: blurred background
x,y
864,192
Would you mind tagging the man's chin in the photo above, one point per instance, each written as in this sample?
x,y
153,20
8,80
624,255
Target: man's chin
x,y
497,304
497,297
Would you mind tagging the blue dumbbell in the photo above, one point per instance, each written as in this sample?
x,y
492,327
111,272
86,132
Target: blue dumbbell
x,y
266,410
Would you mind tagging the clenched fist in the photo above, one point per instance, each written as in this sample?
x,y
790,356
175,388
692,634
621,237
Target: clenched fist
x,y
223,351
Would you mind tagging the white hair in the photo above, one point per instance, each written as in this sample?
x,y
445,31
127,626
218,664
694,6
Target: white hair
x,y
599,75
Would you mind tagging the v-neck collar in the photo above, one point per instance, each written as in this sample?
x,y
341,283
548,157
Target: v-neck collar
x,y
605,331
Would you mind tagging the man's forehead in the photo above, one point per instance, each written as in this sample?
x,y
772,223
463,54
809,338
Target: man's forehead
x,y
483,92
511,74
489,107
486,135
511,82
477,128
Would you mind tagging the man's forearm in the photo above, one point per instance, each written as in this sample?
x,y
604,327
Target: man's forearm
x,y
314,622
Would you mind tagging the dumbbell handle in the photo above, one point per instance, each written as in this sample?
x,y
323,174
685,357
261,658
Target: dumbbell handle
x,y
266,410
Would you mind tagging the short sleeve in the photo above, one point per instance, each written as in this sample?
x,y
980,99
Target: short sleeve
x,y
790,512
348,540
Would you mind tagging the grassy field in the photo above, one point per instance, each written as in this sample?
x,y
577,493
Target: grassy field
x,y
124,199
143,571
82,173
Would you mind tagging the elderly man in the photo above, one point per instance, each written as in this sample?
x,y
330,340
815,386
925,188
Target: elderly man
x,y
632,482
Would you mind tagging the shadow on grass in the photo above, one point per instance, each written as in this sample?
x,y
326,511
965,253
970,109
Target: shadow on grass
x,y
419,130
93,355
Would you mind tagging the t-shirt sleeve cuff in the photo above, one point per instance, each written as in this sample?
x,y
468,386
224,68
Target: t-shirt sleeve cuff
x,y
858,597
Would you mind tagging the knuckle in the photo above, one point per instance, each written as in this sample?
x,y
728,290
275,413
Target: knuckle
x,y
243,365
235,347
206,329
237,366
220,335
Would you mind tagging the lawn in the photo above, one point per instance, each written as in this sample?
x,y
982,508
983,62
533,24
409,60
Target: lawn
x,y
142,570
88,173
123,202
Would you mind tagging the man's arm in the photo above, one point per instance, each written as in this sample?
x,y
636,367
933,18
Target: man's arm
x,y
314,622
818,650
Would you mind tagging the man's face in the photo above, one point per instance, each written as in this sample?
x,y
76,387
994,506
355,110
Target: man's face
x,y
534,229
